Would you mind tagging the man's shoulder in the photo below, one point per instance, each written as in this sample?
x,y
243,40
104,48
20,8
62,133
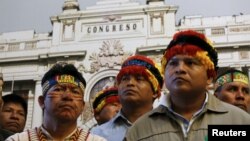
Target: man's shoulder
x,y
224,110
20,136
151,118
236,111
90,136
104,126
5,134
156,112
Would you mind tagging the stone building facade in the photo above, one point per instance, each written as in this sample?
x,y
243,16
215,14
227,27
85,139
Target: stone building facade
x,y
97,40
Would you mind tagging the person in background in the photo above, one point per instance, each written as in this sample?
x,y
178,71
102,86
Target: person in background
x,y
62,103
3,133
139,84
190,65
106,105
14,113
232,86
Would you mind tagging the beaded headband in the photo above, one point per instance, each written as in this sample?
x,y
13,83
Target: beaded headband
x,y
137,63
65,78
235,76
150,67
104,97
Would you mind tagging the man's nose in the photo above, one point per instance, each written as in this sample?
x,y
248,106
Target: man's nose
x,y
131,80
240,94
180,67
14,115
67,93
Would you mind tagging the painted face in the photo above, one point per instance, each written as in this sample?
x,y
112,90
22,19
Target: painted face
x,y
13,117
186,75
235,93
136,89
63,101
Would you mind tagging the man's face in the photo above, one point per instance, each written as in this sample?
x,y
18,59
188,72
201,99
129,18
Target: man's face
x,y
13,117
186,75
235,93
135,89
108,112
63,101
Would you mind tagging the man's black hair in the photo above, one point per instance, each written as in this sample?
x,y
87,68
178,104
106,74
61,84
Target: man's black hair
x,y
14,98
63,68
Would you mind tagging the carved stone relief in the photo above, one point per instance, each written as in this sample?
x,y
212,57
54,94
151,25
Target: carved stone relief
x,y
156,58
112,18
111,54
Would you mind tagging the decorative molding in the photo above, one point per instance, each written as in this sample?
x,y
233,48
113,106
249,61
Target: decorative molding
x,y
244,55
157,23
111,54
95,80
150,1
112,18
156,58
68,30
239,29
71,5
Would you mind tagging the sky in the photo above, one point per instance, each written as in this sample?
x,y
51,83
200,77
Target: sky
x,y
18,15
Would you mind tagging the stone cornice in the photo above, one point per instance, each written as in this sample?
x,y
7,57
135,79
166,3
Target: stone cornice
x,y
115,11
157,48
231,44
33,55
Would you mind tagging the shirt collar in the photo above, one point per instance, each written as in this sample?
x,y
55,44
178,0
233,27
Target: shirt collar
x,y
120,117
49,137
211,103
165,101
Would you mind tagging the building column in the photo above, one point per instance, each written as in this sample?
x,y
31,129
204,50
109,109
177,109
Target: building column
x,y
37,111
248,72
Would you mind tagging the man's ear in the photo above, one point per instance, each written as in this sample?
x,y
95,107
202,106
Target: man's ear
x,y
41,101
209,81
97,117
155,95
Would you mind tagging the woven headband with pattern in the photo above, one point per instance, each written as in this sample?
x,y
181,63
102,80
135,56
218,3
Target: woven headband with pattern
x,y
104,94
61,79
231,77
151,68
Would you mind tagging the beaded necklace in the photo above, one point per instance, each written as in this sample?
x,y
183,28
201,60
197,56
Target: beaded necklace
x,y
37,134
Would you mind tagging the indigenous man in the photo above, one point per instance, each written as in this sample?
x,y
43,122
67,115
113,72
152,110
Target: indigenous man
x,y
106,105
189,64
232,86
139,84
62,103
3,133
14,113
